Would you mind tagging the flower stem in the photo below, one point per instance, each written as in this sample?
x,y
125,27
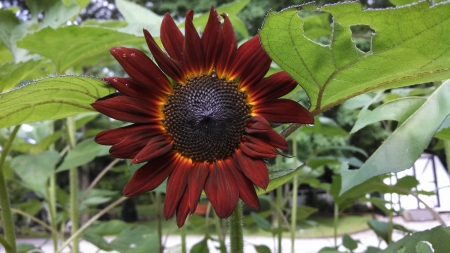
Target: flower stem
x,y
336,219
236,234
158,200
8,223
294,198
51,195
223,248
183,238
73,174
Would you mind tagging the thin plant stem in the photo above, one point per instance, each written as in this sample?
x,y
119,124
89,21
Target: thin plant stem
x,y
73,174
447,153
8,222
40,222
335,224
183,238
51,194
294,198
99,176
279,200
5,244
208,211
222,247
236,234
390,228
158,219
89,223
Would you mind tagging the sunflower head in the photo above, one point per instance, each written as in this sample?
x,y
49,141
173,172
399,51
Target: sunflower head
x,y
210,130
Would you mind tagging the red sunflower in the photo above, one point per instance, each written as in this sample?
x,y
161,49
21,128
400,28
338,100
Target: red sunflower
x,y
210,131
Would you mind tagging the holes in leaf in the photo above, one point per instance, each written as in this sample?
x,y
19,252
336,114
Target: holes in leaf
x,y
362,36
317,26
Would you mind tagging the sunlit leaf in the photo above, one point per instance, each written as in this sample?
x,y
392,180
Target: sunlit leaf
x,y
51,98
138,18
438,237
334,73
404,146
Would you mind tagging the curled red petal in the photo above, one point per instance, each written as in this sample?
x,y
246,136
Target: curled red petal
x,y
132,88
150,175
283,111
183,209
156,147
272,87
193,49
253,169
251,62
128,109
197,179
138,131
229,48
246,189
221,190
176,186
260,128
257,148
141,68
172,38
212,39
170,66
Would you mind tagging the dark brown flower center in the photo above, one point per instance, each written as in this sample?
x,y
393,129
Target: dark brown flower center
x,y
206,118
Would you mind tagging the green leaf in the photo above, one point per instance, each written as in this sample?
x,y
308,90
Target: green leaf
x,y
97,240
277,178
316,26
82,153
200,247
32,206
12,29
108,228
25,248
349,243
398,110
262,223
137,239
138,17
332,74
303,212
91,43
404,146
407,182
423,247
51,98
262,249
326,126
380,228
35,170
438,237
58,13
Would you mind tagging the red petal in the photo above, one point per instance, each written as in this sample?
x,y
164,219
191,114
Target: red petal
x,y
176,185
283,111
246,189
221,190
172,38
141,68
229,49
193,49
113,136
151,175
254,169
128,109
272,87
251,71
183,209
251,62
255,147
212,39
260,128
170,66
197,179
132,88
156,147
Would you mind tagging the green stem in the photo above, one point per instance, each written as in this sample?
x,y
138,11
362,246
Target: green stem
x,y
390,228
5,244
294,199
51,193
158,202
279,200
222,247
40,222
447,153
336,220
8,222
236,234
89,223
183,238
73,174
98,177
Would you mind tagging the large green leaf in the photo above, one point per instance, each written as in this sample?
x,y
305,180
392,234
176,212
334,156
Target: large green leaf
x,y
410,45
398,110
72,45
404,146
438,237
50,98
35,170
82,153
278,177
11,73
138,17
